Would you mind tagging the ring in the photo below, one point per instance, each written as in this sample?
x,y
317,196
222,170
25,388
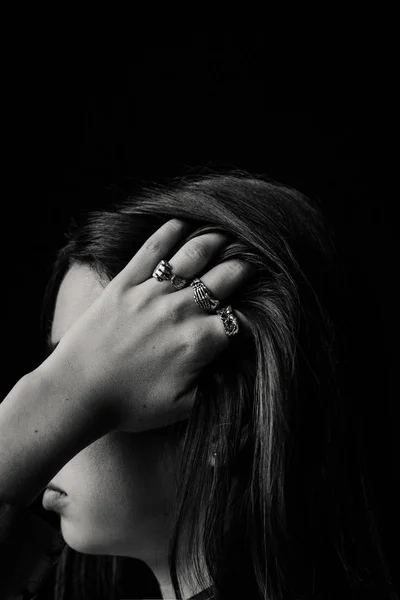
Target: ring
x,y
229,321
163,272
179,282
203,297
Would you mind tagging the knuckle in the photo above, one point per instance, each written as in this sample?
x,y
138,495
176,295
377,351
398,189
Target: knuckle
x,y
192,338
235,267
152,245
199,339
171,310
197,250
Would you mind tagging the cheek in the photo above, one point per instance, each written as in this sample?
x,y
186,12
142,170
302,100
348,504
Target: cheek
x,y
101,475
118,479
120,496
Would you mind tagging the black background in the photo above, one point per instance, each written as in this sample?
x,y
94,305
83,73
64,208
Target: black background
x,y
65,145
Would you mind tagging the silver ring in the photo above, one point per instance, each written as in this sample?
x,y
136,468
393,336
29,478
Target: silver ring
x,y
179,282
229,321
163,272
203,297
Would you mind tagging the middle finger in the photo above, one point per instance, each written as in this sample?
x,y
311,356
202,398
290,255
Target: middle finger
x,y
192,258
224,279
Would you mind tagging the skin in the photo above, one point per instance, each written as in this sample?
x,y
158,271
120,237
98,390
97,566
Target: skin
x,y
120,488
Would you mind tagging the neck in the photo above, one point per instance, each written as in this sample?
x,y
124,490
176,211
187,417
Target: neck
x,y
160,568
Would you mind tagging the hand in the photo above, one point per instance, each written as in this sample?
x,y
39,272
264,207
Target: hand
x,y
139,348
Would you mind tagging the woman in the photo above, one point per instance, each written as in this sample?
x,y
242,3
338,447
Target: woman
x,y
217,447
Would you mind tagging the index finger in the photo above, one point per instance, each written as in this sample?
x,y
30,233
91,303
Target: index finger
x,y
156,248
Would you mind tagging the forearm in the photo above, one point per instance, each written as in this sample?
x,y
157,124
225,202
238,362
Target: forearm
x,y
43,424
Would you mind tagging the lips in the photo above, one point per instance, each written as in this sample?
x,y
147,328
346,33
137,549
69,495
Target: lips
x,y
53,499
51,486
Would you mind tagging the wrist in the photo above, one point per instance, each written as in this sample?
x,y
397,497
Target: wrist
x,y
44,422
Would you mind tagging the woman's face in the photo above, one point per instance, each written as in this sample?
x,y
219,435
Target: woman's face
x,y
120,488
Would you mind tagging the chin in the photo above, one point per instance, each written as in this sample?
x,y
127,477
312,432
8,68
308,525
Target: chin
x,y
84,541
94,541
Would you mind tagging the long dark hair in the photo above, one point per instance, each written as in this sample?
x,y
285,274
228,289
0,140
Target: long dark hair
x,y
289,511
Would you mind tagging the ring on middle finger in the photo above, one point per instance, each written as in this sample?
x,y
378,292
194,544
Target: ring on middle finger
x,y
203,297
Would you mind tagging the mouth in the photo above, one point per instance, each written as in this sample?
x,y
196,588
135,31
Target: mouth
x,y
51,486
54,498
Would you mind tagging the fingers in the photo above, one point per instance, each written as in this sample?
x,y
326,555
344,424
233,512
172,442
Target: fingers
x,y
225,278
156,248
193,257
189,262
222,281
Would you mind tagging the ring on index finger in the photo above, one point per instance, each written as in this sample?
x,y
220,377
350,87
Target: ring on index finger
x,y
163,272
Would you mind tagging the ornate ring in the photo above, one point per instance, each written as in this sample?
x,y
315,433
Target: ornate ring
x,y
203,297
179,282
229,321
163,272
